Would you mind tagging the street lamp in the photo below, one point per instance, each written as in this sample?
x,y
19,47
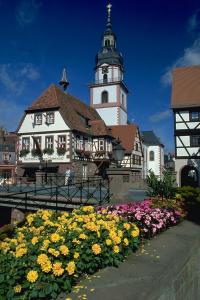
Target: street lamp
x,y
118,152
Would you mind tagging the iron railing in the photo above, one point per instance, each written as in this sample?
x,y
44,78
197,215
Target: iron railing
x,y
59,197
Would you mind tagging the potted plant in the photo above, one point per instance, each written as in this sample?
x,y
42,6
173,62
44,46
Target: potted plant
x,y
61,150
48,151
36,152
23,152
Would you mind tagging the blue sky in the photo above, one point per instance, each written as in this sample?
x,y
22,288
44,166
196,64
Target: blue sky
x,y
39,37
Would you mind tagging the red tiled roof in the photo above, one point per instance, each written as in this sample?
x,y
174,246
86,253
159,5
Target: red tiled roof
x,y
186,87
75,113
126,134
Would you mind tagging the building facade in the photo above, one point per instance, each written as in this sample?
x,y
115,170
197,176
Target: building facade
x,y
58,131
153,151
186,108
8,143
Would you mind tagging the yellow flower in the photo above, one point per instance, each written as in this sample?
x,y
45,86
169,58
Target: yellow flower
x,y
42,258
32,276
126,242
76,255
71,267
45,244
57,269
54,237
54,252
30,219
135,232
82,236
64,249
4,246
116,249
20,252
108,242
88,208
34,240
117,240
18,288
127,226
96,249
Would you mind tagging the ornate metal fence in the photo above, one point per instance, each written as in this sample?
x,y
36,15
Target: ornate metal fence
x,y
53,194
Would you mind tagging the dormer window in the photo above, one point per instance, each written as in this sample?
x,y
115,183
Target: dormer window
x,y
104,97
50,118
38,119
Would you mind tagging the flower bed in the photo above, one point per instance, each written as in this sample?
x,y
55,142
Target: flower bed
x,y
51,251
150,219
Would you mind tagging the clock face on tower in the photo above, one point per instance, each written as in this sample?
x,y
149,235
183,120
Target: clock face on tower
x,y
104,70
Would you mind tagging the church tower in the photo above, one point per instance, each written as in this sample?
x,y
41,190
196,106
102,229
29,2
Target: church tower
x,y
108,95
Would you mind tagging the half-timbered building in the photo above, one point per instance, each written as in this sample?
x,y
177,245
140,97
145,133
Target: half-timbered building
x,y
186,108
129,136
58,131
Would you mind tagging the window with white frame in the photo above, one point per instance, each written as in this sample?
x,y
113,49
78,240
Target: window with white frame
x,y
50,118
38,119
49,142
25,143
37,142
62,141
101,145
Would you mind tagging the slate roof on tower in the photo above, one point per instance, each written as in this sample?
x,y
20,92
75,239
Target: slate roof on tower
x,y
186,87
149,138
77,115
126,134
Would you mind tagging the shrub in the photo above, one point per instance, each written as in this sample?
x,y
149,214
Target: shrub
x,y
36,152
48,151
51,251
24,152
61,151
164,188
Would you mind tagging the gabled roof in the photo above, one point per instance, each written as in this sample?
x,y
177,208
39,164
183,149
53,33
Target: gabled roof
x,y
150,139
126,134
75,113
186,87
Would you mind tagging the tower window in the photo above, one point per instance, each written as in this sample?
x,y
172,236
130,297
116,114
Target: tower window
x,y
105,78
151,155
123,102
107,43
104,97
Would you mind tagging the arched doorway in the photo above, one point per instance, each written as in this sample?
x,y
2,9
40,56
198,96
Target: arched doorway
x,y
189,176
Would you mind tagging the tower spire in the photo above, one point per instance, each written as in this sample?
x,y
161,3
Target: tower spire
x,y
64,82
109,24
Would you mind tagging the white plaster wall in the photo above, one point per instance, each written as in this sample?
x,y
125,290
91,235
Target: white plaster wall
x,y
109,115
122,117
29,126
112,93
183,114
54,157
158,164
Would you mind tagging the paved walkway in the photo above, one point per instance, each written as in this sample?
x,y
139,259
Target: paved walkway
x,y
163,269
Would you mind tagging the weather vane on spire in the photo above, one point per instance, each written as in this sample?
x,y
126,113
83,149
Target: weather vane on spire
x,y
64,82
109,25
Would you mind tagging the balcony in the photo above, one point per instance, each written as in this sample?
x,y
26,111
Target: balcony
x,y
108,80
